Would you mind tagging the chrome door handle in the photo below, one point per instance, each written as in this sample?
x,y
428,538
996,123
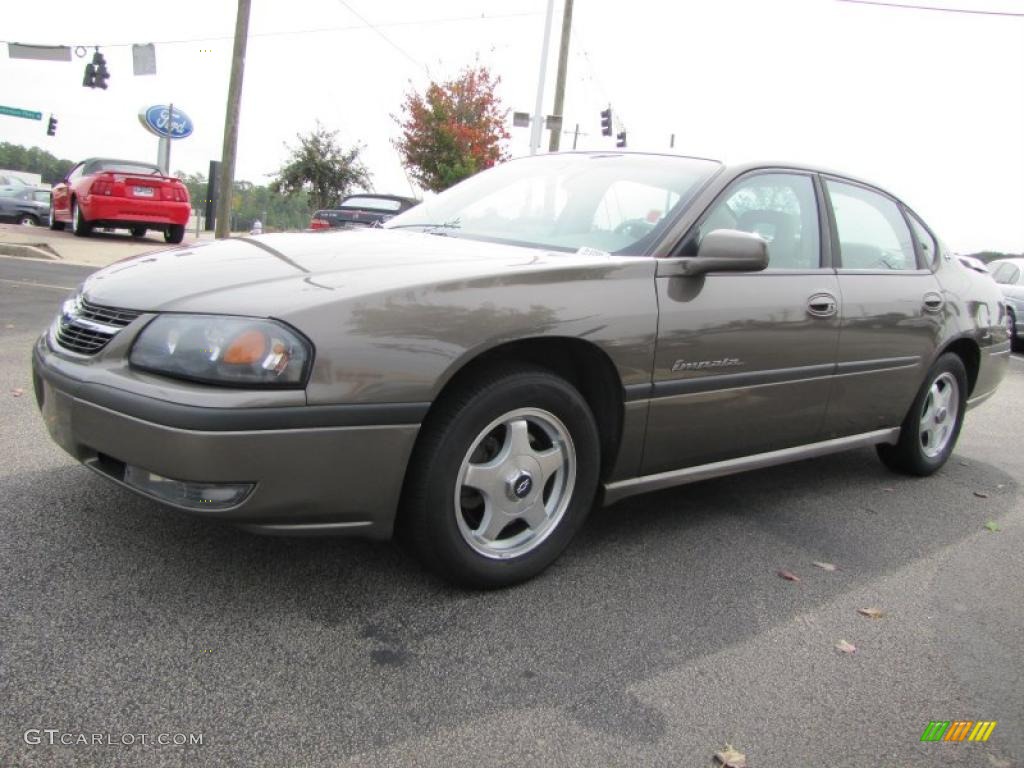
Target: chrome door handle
x,y
933,302
822,305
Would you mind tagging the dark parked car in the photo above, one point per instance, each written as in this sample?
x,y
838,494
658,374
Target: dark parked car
x,y
1009,275
120,194
361,211
29,206
555,330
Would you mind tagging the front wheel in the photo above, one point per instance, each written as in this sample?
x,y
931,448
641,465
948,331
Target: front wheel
x,y
174,234
28,221
503,476
932,426
1011,330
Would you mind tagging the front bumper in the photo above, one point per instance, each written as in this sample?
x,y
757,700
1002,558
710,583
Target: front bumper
x,y
344,478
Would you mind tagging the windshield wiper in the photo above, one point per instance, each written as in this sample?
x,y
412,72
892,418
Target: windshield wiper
x,y
431,228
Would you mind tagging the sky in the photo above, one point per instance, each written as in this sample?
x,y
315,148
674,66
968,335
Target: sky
x,y
929,105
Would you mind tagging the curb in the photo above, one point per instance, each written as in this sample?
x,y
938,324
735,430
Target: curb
x,y
35,251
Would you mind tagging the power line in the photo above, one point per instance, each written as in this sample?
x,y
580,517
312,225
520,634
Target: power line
x,y
320,30
931,8
384,37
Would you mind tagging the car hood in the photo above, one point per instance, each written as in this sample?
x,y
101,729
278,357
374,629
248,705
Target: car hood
x,y
274,275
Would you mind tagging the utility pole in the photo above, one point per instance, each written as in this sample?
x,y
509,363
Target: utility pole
x,y
227,168
538,112
563,65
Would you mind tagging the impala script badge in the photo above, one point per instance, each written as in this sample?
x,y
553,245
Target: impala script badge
x,y
699,365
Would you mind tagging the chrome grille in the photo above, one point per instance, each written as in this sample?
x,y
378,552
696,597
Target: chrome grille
x,y
86,328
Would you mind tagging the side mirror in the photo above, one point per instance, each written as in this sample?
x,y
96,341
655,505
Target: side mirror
x,y
723,250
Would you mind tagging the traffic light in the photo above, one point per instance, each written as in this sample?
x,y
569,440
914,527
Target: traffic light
x,y
606,122
96,72
620,139
51,129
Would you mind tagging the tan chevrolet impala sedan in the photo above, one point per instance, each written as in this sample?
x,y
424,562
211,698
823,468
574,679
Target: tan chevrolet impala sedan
x,y
552,333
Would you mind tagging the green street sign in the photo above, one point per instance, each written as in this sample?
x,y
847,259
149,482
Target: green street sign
x,y
15,112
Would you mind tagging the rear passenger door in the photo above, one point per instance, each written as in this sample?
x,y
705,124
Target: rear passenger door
x,y
892,310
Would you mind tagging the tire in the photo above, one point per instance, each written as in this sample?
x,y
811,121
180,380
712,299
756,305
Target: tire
x,y
28,220
930,430
174,233
1011,330
502,478
56,226
79,225
138,232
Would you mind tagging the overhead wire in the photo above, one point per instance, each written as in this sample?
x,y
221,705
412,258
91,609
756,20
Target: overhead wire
x,y
910,7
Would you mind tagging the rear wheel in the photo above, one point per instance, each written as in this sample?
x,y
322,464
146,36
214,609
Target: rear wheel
x,y
55,225
79,225
27,220
502,478
174,233
138,232
932,426
1011,330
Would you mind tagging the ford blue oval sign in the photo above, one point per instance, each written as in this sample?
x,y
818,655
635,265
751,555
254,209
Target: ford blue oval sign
x,y
159,120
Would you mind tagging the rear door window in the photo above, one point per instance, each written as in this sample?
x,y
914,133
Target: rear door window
x,y
871,229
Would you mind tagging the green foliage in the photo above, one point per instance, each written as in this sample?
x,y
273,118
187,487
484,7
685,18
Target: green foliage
x,y
453,130
322,169
250,202
15,157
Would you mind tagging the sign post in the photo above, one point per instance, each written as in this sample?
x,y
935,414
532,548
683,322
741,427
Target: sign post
x,y
167,123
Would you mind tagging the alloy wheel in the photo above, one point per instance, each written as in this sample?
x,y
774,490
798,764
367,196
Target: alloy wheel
x,y
515,483
939,415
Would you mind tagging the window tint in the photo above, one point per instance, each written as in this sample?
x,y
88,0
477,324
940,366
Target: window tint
x,y
779,207
929,249
76,172
872,232
1006,274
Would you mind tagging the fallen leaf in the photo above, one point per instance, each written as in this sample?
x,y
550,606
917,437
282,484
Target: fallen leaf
x,y
991,526
1000,486
964,464
871,613
731,758
844,647
788,575
996,762
826,566
981,494
889,490
9,326
17,391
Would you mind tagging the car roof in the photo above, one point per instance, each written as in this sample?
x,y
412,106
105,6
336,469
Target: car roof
x,y
737,169
90,160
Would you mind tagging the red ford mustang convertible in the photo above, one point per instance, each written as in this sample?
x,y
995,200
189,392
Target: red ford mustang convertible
x,y
121,194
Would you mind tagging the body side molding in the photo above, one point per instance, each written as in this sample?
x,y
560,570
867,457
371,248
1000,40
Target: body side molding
x,y
623,488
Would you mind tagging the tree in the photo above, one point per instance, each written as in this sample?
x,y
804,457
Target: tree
x,y
252,201
453,130
15,157
320,167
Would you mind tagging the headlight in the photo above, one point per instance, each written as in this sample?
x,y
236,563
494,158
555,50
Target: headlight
x,y
237,351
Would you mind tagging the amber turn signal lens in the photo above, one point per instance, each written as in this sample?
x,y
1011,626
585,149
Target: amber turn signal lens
x,y
246,348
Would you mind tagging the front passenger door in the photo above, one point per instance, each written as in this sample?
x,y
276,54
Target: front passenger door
x,y
744,361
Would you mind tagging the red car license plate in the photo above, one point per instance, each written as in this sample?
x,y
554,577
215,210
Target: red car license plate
x,y
143,191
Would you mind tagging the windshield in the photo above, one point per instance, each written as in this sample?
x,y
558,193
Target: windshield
x,y
611,201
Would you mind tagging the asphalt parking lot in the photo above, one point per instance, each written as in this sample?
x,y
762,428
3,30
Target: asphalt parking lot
x,y
663,634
